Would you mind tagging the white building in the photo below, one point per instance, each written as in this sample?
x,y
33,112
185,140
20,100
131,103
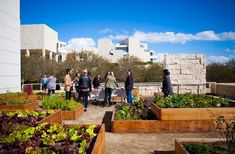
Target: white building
x,y
39,39
61,50
128,47
10,68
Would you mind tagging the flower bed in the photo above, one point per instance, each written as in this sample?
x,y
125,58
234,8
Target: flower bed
x,y
11,121
71,110
191,107
55,138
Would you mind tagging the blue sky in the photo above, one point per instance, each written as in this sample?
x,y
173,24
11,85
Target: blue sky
x,y
168,26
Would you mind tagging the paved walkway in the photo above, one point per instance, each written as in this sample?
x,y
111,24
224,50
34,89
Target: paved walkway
x,y
133,143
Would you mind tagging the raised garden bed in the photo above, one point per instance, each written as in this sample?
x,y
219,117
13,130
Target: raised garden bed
x,y
192,107
5,97
55,138
11,121
27,106
33,97
201,145
72,115
71,110
132,124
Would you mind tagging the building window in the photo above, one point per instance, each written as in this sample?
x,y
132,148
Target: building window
x,y
122,48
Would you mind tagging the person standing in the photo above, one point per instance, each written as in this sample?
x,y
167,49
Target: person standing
x,y
96,82
166,83
44,81
129,86
110,84
68,83
76,82
85,88
51,85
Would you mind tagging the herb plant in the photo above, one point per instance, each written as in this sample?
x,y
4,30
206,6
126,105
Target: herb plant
x,y
190,101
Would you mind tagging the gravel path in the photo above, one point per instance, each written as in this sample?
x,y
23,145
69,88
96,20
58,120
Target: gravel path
x,y
133,143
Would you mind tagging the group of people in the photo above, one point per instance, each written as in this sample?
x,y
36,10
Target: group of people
x,y
83,85
49,83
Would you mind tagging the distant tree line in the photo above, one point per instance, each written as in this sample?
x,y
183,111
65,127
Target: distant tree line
x,y
32,68
222,73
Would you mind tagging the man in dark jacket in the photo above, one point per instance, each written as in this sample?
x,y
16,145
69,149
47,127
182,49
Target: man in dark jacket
x,y
166,84
129,86
85,88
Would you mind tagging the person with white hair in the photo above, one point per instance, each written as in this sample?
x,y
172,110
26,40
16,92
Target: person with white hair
x,y
85,87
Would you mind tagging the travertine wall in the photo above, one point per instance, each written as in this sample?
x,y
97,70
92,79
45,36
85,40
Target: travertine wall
x,y
188,70
10,75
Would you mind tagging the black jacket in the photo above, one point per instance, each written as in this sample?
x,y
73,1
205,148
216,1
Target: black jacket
x,y
129,82
85,83
166,86
96,82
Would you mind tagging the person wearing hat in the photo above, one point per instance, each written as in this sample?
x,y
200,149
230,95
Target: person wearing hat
x,y
166,83
85,87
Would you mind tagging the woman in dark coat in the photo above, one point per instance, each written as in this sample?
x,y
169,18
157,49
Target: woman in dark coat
x,y
166,84
129,86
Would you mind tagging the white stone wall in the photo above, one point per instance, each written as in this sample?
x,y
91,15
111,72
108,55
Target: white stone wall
x,y
135,49
187,69
38,36
10,68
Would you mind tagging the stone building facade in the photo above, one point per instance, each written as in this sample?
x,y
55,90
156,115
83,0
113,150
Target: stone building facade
x,y
10,75
187,70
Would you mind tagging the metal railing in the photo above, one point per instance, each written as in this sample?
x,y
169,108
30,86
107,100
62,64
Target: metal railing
x,y
158,85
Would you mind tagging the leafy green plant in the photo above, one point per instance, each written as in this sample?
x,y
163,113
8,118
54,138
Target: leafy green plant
x,y
50,138
195,148
133,112
58,102
190,101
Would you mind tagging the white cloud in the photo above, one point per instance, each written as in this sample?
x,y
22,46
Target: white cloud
x,y
80,43
230,50
118,37
217,59
171,37
105,31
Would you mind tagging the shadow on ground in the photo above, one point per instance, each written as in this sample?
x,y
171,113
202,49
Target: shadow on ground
x,y
107,120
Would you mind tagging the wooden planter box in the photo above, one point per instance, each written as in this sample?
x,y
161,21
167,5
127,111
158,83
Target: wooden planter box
x,y
33,97
192,113
54,118
180,149
72,115
157,126
99,146
29,106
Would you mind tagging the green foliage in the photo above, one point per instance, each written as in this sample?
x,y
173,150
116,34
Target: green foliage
x,y
90,130
32,67
190,101
133,112
58,102
51,138
82,147
199,148
217,72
